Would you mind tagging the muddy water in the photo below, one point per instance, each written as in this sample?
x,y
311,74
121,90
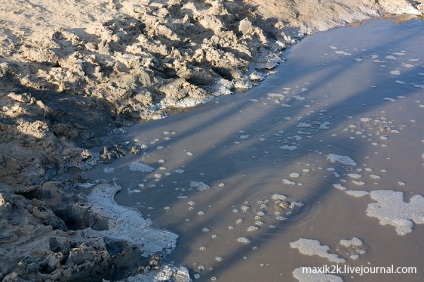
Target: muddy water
x,y
243,177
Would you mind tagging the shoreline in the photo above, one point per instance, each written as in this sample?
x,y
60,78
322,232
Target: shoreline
x,y
80,96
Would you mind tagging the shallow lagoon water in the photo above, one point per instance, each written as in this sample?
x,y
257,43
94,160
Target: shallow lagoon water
x,y
244,176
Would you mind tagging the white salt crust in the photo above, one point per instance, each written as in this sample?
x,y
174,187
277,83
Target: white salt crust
x,y
127,224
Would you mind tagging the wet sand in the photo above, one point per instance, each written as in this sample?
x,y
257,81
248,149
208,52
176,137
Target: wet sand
x,y
354,91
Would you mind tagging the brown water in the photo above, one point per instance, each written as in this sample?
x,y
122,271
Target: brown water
x,y
354,91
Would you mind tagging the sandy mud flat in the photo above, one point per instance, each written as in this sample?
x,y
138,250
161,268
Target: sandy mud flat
x,y
247,183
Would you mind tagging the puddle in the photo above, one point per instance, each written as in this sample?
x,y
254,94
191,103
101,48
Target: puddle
x,y
245,178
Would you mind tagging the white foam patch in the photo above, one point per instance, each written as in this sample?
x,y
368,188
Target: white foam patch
x,y
390,209
86,185
395,72
339,186
357,193
354,242
288,182
276,197
301,275
324,125
314,248
287,147
343,53
354,257
140,167
296,137
354,175
201,186
109,170
303,125
243,240
298,97
133,191
276,96
167,272
344,160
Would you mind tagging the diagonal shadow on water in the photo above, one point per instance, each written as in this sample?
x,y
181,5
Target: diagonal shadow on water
x,y
211,130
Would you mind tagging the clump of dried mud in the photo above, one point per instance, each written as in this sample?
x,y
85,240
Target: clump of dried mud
x,y
73,72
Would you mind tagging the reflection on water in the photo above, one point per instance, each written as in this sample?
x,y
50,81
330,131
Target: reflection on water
x,y
244,178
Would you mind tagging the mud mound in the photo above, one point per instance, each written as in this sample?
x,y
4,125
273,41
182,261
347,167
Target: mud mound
x,y
72,71
72,239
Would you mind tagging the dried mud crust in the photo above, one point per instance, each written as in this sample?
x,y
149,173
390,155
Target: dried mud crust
x,y
73,72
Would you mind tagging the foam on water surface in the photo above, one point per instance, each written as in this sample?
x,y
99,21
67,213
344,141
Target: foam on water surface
x,y
140,167
301,157
201,186
344,160
352,242
314,248
278,96
356,193
390,209
339,186
287,147
109,170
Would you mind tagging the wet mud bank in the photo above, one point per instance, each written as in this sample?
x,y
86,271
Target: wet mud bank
x,y
73,73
